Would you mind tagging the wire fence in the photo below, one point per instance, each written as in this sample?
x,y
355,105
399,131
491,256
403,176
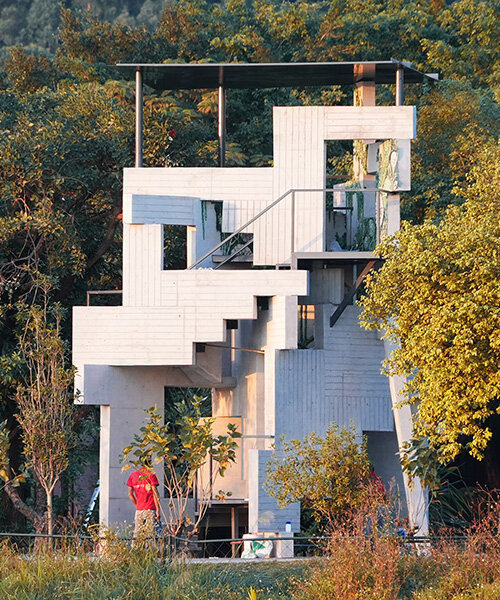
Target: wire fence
x,y
104,541
26,543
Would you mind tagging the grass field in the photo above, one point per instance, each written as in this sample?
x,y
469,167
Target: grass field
x,y
357,569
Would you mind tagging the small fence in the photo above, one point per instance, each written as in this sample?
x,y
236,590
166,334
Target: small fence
x,y
26,543
169,546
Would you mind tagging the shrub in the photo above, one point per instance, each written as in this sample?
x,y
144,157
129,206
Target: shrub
x,y
328,475
363,559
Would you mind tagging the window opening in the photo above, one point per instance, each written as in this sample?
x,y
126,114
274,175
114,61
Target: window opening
x,y
174,247
350,212
306,326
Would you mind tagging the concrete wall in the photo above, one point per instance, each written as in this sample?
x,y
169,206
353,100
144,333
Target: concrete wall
x,y
173,195
252,398
233,480
127,354
264,514
186,307
124,394
416,497
341,382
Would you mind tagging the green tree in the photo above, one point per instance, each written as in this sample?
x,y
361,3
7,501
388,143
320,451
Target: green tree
x,y
60,204
455,121
467,45
45,412
438,298
183,446
66,116
12,21
328,475
42,22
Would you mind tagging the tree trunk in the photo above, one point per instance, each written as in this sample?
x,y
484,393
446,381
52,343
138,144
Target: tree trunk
x,y
50,518
37,520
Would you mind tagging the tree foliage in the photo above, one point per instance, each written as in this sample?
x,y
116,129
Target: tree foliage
x,y
328,475
438,298
45,403
455,122
45,411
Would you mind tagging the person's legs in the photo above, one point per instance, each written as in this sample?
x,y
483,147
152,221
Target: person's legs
x,y
144,524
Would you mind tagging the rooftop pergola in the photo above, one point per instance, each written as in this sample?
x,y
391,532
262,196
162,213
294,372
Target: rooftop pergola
x,y
174,76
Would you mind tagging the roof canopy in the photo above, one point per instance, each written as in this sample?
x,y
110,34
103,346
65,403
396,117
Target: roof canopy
x,y
173,76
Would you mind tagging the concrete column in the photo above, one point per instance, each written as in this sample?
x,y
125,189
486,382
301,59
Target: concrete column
x,y
123,393
190,246
222,119
417,496
400,87
264,514
364,95
393,213
364,89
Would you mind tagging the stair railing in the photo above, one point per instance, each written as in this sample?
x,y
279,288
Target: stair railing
x,y
291,192
234,254
240,229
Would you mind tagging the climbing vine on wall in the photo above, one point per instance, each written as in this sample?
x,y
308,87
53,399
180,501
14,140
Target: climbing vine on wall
x,y
218,216
203,204
360,163
388,173
364,234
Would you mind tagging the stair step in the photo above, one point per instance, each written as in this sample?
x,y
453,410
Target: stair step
x,y
242,258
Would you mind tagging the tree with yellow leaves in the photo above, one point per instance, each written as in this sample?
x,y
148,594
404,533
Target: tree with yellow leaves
x,y
438,298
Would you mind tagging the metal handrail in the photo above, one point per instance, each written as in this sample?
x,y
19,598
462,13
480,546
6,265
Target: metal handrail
x,y
234,254
239,230
291,191
99,292
408,538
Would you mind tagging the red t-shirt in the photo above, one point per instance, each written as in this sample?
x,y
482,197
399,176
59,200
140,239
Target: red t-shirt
x,y
142,482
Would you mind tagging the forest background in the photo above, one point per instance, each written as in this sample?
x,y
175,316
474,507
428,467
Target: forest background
x,y
67,131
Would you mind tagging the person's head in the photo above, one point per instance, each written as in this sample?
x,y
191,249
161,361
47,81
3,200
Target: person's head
x,y
147,462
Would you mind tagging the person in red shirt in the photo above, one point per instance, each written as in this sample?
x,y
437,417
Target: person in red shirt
x,y
142,490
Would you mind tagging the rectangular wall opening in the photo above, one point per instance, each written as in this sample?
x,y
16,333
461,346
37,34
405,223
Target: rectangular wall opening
x,y
174,247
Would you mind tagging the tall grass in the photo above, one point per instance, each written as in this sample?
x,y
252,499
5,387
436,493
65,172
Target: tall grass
x,y
367,561
364,556
135,574
364,561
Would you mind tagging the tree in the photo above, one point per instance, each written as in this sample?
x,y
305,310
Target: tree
x,y
42,22
13,21
438,298
183,447
328,475
45,412
455,120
